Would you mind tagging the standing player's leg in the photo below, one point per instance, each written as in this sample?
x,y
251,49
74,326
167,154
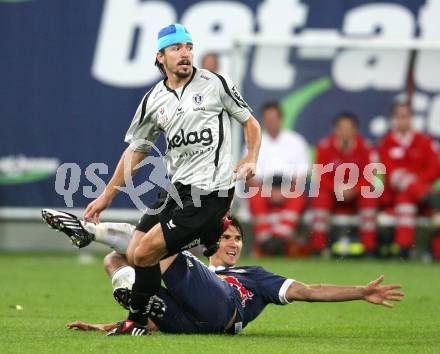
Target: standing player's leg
x,y
178,229
144,252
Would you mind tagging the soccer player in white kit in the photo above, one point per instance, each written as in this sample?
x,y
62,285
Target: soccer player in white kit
x,y
193,108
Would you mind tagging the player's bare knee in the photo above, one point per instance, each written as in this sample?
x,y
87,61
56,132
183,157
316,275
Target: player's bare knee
x,y
107,261
113,261
130,256
144,258
132,244
148,253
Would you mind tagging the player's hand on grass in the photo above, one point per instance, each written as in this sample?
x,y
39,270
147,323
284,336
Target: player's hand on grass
x,y
245,169
82,326
94,209
378,294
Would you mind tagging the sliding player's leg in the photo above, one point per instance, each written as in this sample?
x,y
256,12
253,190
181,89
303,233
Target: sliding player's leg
x,y
172,312
196,301
114,235
122,276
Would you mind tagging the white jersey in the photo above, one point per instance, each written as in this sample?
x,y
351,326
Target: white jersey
x,y
286,155
197,127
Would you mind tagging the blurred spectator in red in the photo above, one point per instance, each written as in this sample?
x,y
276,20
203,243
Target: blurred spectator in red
x,y
344,145
283,154
412,162
210,62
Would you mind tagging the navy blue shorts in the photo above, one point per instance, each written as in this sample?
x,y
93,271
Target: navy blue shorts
x,y
197,300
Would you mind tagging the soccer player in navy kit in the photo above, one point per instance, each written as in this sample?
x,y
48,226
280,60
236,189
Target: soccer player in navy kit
x,y
193,108
223,298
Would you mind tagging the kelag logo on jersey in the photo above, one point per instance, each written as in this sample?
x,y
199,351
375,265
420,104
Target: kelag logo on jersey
x,y
204,137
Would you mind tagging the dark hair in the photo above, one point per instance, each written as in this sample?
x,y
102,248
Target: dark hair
x,y
160,66
346,116
272,105
237,225
397,103
213,248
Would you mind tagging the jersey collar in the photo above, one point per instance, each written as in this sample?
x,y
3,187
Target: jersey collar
x,y
184,87
218,268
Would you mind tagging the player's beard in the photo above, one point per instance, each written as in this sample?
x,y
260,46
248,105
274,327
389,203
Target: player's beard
x,y
181,73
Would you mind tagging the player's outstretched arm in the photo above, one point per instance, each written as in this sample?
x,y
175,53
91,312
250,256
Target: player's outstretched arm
x,y
373,292
252,134
104,327
83,326
126,167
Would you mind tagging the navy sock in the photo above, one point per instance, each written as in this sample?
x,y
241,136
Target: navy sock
x,y
146,284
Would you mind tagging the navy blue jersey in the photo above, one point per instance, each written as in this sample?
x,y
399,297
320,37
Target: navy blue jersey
x,y
199,300
255,288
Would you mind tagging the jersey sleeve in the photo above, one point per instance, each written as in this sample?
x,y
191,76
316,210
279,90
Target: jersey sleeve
x,y
143,131
273,287
232,101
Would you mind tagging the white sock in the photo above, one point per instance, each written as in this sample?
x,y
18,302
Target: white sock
x,y
123,278
89,226
113,234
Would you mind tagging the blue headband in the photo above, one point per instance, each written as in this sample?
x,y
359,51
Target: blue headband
x,y
172,34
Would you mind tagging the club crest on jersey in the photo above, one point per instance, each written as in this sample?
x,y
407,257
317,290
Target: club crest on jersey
x,y
163,116
198,99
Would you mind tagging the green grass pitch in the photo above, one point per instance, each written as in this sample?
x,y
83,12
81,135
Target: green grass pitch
x,y
56,289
